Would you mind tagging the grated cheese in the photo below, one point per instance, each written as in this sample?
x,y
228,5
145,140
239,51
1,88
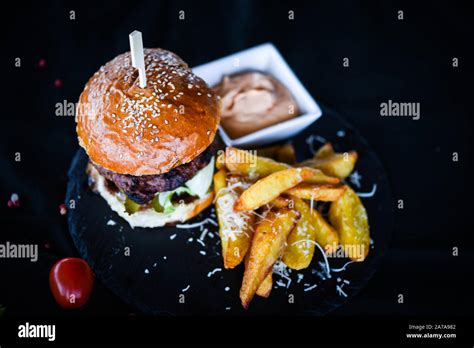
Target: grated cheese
x,y
311,287
234,223
197,224
203,234
280,269
343,268
214,271
340,291
368,194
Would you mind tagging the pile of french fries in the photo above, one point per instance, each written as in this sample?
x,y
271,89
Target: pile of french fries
x,y
266,208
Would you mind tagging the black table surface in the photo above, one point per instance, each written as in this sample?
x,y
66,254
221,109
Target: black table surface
x,y
409,60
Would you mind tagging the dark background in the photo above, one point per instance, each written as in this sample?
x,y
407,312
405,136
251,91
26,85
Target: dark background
x,y
405,61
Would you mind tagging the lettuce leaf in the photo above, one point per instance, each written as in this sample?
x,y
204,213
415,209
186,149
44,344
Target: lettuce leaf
x,y
202,181
163,203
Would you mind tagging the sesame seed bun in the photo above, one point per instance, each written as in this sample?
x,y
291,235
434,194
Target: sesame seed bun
x,y
130,130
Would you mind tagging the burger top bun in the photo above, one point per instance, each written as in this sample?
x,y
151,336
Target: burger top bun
x,y
136,131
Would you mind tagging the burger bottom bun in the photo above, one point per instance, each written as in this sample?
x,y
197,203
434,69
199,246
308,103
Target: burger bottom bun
x,y
148,217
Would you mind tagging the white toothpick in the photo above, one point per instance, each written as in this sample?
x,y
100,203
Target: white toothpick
x,y
138,60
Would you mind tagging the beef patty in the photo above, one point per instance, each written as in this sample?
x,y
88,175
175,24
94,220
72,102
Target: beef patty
x,y
142,189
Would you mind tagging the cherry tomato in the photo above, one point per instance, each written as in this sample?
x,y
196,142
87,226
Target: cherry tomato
x,y
71,281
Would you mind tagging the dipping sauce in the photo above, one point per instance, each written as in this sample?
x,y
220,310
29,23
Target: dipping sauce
x,y
252,101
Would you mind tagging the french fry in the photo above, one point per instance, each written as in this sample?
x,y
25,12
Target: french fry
x,y
319,178
270,187
219,180
255,167
280,202
268,151
238,247
265,287
267,246
349,217
246,163
325,193
312,228
286,154
339,165
326,235
300,243
281,153
235,228
324,151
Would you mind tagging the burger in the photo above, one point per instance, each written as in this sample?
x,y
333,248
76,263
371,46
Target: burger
x,y
152,149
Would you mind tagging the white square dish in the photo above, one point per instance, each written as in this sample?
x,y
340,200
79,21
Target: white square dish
x,y
265,58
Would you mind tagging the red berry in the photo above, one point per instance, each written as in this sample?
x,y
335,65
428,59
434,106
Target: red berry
x,y
42,63
14,201
58,83
62,209
71,281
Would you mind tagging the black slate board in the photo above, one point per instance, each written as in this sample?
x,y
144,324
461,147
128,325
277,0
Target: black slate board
x,y
163,261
